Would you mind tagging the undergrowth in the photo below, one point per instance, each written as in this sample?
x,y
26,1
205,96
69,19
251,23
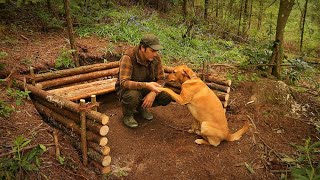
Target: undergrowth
x,y
305,165
21,160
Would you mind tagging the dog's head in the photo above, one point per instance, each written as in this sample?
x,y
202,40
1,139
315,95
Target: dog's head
x,y
181,74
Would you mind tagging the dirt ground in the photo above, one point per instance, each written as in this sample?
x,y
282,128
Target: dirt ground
x,y
162,148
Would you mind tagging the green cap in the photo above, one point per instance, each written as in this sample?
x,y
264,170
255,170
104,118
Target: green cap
x,y
151,41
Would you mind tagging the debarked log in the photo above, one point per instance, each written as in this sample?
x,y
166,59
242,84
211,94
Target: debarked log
x,y
76,78
74,71
82,86
61,102
91,125
102,141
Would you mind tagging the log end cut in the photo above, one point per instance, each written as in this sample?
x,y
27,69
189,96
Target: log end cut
x,y
104,130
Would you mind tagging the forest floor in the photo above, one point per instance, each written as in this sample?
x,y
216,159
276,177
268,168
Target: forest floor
x,y
161,148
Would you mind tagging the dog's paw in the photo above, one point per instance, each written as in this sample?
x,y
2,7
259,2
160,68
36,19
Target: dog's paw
x,y
200,141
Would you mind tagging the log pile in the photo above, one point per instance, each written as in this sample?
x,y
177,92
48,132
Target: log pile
x,y
82,123
54,92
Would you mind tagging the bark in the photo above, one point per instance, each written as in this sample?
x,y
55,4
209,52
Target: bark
x,y
206,7
74,71
61,102
70,32
260,14
224,82
76,78
103,150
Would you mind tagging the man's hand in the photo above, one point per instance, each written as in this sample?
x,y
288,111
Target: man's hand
x,y
152,86
148,100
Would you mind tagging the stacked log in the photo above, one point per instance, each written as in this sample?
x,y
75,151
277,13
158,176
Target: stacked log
x,y
67,113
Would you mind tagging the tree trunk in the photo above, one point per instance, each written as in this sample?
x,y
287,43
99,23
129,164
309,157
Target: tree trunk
x,y
71,33
185,9
240,17
304,14
206,6
260,15
277,54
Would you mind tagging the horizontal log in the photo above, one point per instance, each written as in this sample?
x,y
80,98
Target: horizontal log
x,y
86,85
102,141
76,78
101,169
61,102
74,71
103,150
214,79
218,87
92,154
91,124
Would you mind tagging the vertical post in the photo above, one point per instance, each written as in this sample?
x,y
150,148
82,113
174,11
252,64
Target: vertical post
x,y
94,101
83,133
32,75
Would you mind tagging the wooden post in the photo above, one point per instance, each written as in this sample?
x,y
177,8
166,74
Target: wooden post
x,y
94,101
83,134
32,76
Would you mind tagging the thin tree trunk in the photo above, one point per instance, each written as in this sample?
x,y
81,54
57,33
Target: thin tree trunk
x,y
277,55
240,16
185,10
71,33
303,23
206,6
260,15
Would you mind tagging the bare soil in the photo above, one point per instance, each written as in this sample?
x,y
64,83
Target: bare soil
x,y
161,148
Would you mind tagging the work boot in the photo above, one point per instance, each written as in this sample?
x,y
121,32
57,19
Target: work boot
x,y
130,122
145,114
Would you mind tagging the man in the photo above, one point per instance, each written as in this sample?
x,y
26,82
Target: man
x,y
140,73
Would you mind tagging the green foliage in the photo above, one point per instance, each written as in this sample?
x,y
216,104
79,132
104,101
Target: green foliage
x,y
18,95
306,164
297,69
3,54
64,59
5,109
22,161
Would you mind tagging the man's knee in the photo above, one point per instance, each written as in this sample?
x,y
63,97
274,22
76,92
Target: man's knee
x,y
163,99
131,97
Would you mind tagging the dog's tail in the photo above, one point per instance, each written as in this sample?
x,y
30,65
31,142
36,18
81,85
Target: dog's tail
x,y
237,135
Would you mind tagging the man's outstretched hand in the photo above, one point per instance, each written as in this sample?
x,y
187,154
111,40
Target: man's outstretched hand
x,y
153,86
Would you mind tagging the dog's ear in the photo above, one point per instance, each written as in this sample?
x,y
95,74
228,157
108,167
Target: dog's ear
x,y
189,72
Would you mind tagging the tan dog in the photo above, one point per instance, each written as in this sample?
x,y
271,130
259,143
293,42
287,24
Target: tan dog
x,y
204,105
